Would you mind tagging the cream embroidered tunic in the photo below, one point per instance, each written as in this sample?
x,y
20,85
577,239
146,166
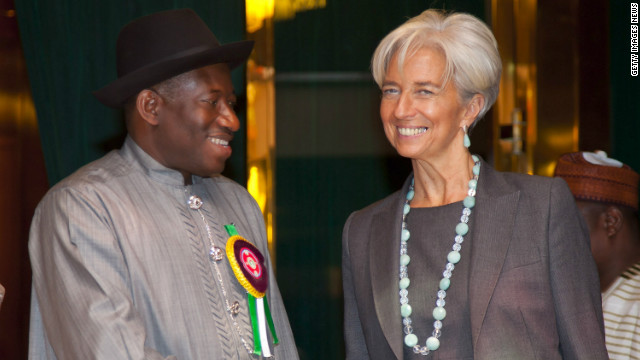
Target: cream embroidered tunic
x,y
621,309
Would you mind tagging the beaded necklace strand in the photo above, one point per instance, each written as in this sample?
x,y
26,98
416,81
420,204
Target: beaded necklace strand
x,y
439,313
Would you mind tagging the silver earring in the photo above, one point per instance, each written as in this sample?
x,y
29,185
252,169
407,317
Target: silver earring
x,y
466,141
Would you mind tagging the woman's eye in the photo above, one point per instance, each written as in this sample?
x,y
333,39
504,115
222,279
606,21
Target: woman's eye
x,y
390,92
424,92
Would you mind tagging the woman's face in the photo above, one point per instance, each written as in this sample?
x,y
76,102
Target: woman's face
x,y
421,118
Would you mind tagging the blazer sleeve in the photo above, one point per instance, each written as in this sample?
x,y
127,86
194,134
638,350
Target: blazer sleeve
x,y
355,345
82,307
574,279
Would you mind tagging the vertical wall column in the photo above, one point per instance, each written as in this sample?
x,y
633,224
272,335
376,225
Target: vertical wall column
x,y
261,113
515,116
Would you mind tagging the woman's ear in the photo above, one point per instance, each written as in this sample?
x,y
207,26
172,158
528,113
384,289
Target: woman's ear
x,y
473,108
147,104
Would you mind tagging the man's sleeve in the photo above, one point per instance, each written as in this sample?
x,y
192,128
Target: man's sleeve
x,y
82,305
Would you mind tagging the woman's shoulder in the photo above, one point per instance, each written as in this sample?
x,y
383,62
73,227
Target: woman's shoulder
x,y
359,225
387,203
536,187
379,205
528,182
527,179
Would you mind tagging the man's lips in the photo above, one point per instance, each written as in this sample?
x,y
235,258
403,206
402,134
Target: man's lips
x,y
218,141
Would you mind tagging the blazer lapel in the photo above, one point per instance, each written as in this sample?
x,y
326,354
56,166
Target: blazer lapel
x,y
495,213
384,262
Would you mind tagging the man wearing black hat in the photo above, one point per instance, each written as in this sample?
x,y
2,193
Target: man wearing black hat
x,y
148,253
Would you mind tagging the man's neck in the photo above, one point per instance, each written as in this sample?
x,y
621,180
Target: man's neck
x,y
627,255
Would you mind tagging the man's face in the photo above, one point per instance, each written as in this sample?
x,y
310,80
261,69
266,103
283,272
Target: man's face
x,y
196,122
593,214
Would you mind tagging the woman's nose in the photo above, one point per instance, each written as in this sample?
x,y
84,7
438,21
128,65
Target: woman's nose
x,y
404,107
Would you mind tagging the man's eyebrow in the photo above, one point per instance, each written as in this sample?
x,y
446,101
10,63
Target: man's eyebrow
x,y
220,92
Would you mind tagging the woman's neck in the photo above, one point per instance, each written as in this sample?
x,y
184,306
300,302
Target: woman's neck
x,y
441,181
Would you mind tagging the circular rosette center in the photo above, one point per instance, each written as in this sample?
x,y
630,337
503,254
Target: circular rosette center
x,y
248,265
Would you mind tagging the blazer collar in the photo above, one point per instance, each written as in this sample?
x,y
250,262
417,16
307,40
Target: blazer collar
x,y
384,262
494,214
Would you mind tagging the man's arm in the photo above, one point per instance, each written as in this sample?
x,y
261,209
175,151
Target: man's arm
x,y
81,284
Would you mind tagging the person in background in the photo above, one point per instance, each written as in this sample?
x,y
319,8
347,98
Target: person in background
x,y
606,192
463,262
149,253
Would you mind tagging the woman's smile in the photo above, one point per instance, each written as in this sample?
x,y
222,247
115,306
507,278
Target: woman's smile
x,y
413,131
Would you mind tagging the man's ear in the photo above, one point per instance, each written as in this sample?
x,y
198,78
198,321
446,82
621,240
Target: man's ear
x,y
147,104
473,108
613,220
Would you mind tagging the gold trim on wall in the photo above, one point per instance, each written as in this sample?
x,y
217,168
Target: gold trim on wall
x,y
515,115
536,116
261,113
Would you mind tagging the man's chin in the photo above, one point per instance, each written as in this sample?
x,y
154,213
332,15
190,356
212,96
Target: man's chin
x,y
213,171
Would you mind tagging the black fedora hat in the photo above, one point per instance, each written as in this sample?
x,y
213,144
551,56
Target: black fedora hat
x,y
159,46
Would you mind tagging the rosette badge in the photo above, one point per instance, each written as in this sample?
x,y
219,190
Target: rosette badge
x,y
249,267
247,263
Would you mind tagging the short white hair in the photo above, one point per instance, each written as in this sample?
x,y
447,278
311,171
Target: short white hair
x,y
468,45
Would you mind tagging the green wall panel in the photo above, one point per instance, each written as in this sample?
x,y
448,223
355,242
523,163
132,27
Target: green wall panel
x,y
343,36
625,88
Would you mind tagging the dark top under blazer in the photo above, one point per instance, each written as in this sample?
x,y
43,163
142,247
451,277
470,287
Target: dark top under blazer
x,y
534,288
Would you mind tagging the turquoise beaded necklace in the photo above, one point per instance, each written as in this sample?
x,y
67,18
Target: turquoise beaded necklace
x,y
439,313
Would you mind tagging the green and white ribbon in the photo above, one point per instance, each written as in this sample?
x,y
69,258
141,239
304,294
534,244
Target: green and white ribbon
x,y
259,311
260,318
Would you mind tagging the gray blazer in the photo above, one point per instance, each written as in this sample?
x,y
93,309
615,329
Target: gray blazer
x,y
533,287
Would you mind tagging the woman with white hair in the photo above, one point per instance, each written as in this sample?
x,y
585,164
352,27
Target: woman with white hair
x,y
463,262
